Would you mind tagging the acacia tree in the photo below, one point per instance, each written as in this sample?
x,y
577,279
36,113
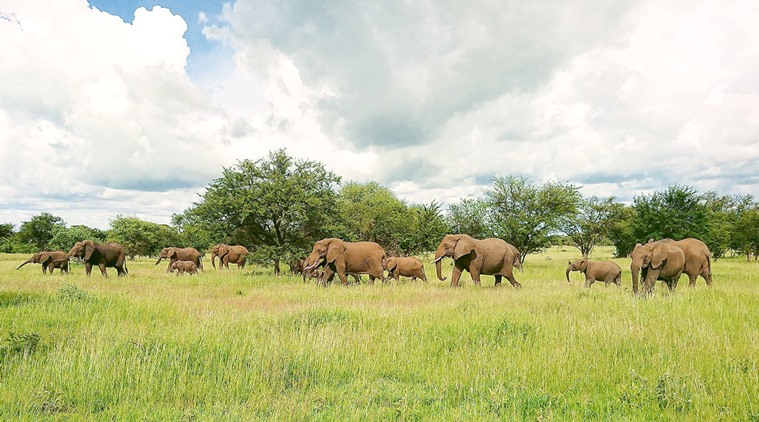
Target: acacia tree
x,y
526,214
277,206
470,216
594,220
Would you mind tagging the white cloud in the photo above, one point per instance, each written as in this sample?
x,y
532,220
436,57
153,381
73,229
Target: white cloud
x,y
431,99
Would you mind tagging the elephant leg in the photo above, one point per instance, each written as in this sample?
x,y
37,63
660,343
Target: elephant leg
x,y
171,261
498,278
692,280
344,278
513,281
326,275
455,275
88,268
102,269
588,283
707,276
475,276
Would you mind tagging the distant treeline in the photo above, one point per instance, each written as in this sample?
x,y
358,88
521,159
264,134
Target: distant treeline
x,y
279,206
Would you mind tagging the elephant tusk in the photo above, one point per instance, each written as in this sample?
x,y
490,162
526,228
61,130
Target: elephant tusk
x,y
438,259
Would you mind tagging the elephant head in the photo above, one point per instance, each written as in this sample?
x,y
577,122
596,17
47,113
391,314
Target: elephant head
x,y
325,252
83,249
579,265
35,259
173,266
218,250
640,259
166,253
454,246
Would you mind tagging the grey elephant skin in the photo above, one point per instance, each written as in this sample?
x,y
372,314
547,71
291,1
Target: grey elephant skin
x,y
101,254
182,267
49,261
606,271
341,257
236,254
180,254
406,266
490,256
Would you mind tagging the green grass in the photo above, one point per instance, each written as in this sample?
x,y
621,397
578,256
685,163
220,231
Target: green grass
x,y
248,346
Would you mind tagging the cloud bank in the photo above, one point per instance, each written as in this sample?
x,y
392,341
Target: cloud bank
x,y
432,99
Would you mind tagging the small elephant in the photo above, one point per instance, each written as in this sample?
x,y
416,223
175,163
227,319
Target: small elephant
x,y
406,267
182,267
49,261
344,258
606,271
180,254
101,254
490,256
236,254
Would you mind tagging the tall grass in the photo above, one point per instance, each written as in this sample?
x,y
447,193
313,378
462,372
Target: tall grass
x,y
247,345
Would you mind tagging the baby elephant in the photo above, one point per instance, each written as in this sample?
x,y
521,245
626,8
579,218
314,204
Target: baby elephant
x,y
606,271
184,267
406,267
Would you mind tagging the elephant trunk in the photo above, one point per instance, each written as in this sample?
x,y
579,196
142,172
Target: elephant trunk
x,y
213,260
568,270
159,260
635,271
28,261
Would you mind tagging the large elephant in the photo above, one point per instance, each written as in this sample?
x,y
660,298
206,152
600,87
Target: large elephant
x,y
180,254
341,257
236,254
48,261
101,254
698,259
606,271
666,263
487,256
406,267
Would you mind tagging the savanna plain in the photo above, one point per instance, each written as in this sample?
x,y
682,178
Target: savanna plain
x,y
245,345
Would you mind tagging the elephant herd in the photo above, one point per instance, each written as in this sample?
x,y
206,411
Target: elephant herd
x,y
664,260
182,260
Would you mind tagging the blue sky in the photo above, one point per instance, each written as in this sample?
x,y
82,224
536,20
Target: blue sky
x,y
122,107
203,51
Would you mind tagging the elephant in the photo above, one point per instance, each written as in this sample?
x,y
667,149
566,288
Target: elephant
x,y
666,262
698,259
235,254
406,267
490,256
180,254
343,258
101,254
48,261
183,267
606,271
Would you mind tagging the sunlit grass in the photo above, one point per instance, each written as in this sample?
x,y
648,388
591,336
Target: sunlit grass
x,y
246,345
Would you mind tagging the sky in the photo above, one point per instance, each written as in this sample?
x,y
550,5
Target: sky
x,y
115,107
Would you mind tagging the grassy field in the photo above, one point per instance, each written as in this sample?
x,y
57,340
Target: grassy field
x,y
248,346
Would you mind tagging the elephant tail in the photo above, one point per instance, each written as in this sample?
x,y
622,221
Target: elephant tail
x,y
709,264
200,263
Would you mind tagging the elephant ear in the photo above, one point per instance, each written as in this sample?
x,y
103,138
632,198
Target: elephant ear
x,y
223,250
659,256
44,258
170,253
391,263
583,264
89,248
335,249
463,247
